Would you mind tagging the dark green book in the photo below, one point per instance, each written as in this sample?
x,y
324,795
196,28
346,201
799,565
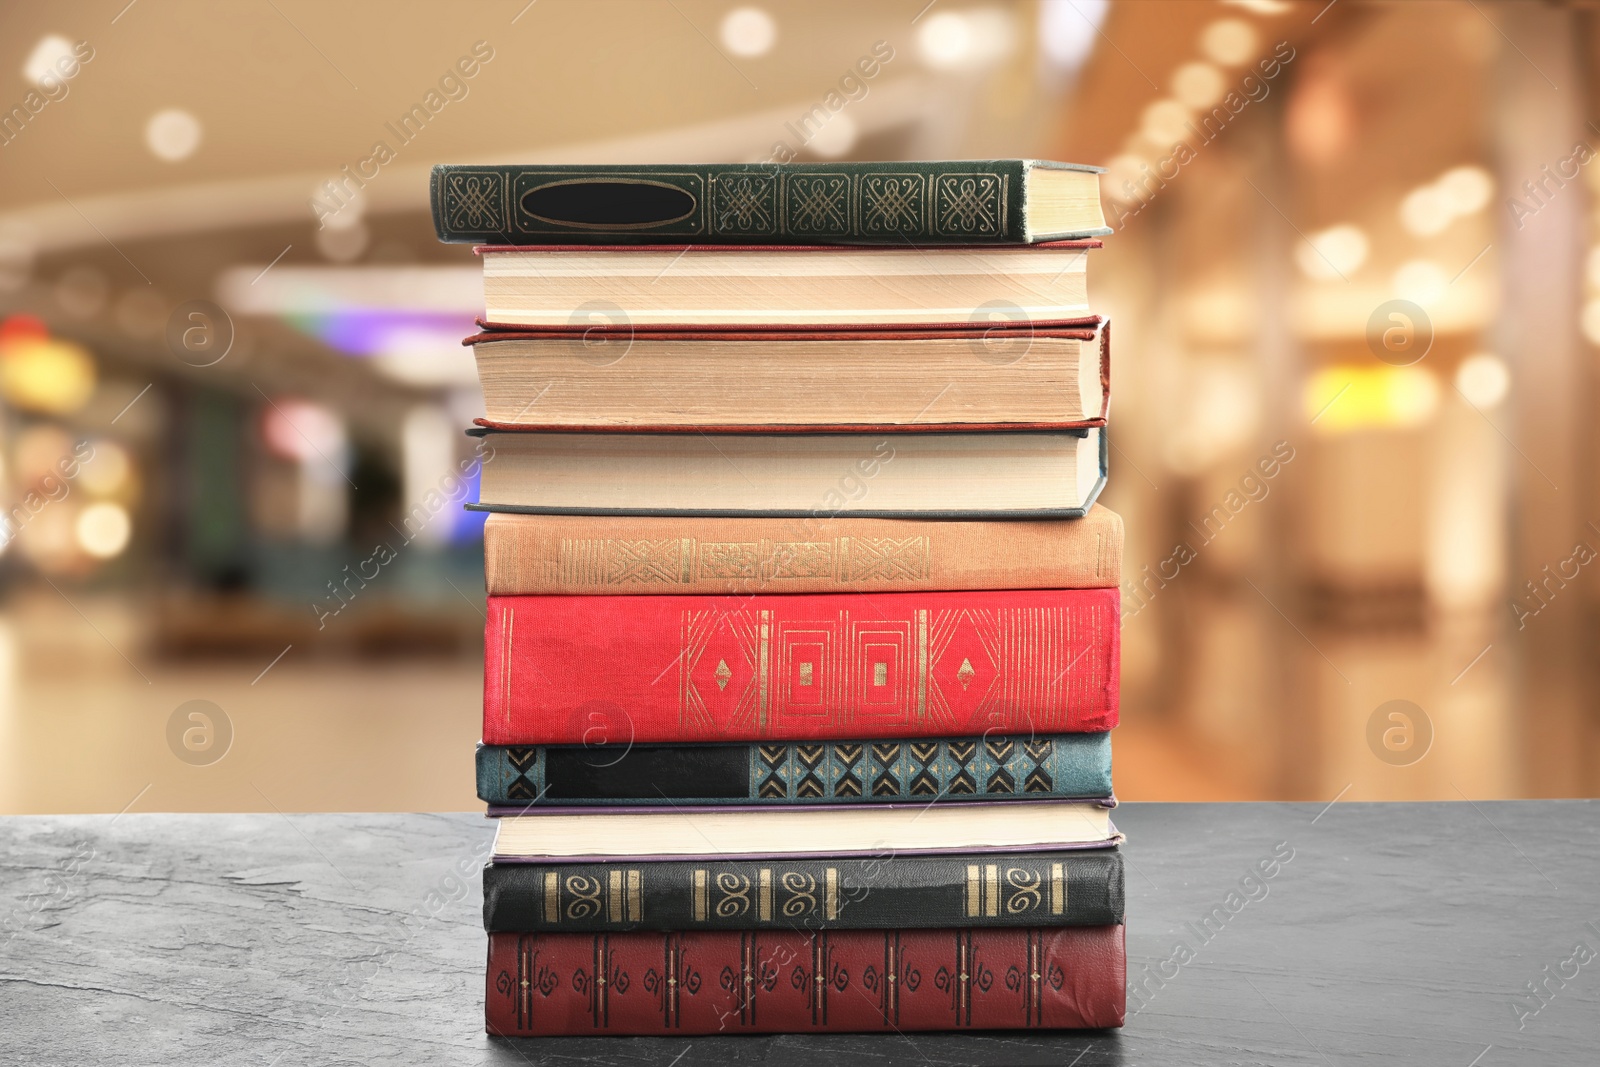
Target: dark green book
x,y
797,772
957,202
1056,888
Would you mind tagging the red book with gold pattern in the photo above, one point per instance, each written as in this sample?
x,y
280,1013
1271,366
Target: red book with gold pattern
x,y
734,982
620,669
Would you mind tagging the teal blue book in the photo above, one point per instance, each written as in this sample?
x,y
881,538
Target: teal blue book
x,y
955,202
831,772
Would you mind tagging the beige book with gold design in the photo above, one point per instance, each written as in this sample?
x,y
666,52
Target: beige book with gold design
x,y
566,554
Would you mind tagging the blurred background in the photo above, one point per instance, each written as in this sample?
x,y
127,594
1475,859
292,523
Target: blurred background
x,y
1351,250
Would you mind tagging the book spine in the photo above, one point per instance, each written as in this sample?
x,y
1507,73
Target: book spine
x,y
967,202
564,670
709,982
1083,888
655,555
827,772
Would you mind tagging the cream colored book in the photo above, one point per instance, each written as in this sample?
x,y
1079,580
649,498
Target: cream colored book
x,y
633,287
1034,474
885,829
1028,377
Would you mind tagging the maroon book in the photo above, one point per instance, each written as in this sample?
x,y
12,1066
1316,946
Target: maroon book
x,y
562,670
711,982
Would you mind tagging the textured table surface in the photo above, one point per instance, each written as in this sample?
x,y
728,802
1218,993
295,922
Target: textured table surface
x,y
1396,934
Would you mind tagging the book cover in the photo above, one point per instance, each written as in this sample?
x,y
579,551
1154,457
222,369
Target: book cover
x,y
948,202
878,771
633,833
728,982
809,290
1078,888
778,380
618,669
665,555
873,472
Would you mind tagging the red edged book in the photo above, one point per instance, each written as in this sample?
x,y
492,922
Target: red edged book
x,y
562,670
734,982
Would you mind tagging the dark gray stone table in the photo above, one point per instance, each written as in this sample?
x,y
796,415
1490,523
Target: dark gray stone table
x,y
1396,934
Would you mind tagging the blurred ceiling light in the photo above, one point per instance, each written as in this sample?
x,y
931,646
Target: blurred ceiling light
x,y
1197,85
303,431
748,31
342,244
107,471
1321,116
1068,30
1164,122
1483,379
1466,189
1425,211
1430,209
835,137
1591,268
39,452
1347,397
83,291
47,374
1220,413
966,40
306,290
172,134
1420,280
440,366
428,438
42,61
1260,7
103,529
1336,252
1121,172
49,538
1229,42
1220,314
1591,321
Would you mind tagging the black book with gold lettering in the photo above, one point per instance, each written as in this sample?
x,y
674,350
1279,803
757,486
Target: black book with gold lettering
x,y
1060,888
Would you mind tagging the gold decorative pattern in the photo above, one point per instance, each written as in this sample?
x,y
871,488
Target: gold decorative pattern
x,y
802,890
585,897
1026,886
802,559
973,203
718,559
946,671
903,559
965,672
992,891
735,898
892,203
610,562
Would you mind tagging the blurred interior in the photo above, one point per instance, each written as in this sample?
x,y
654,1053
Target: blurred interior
x,y
230,371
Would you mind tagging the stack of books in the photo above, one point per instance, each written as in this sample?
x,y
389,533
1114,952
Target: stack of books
x,y
802,648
